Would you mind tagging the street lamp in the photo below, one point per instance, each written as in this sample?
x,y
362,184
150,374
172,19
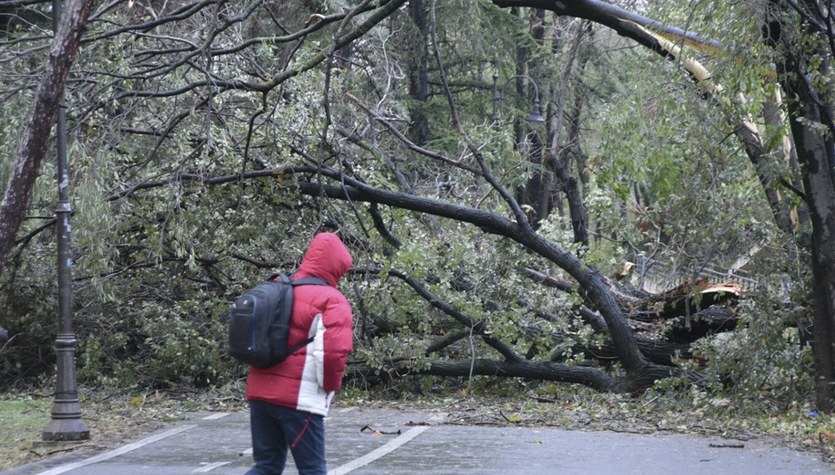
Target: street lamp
x,y
66,423
535,117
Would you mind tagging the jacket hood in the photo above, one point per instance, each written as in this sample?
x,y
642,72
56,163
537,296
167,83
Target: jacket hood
x,y
326,258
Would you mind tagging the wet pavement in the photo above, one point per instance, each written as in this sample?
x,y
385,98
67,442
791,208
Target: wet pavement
x,y
385,441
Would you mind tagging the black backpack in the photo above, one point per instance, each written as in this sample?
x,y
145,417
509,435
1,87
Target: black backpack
x,y
259,322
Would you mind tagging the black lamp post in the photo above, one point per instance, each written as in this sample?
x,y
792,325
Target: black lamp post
x,y
535,117
496,100
66,423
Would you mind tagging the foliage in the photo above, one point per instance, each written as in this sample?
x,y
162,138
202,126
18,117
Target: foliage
x,y
678,186
766,365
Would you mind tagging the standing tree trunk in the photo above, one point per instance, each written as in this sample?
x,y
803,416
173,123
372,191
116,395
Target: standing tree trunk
x,y
419,74
33,144
817,157
805,52
563,145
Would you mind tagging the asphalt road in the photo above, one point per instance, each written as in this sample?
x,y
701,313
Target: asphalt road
x,y
383,441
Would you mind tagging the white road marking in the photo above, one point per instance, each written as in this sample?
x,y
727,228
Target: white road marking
x,y
210,467
379,452
115,453
216,415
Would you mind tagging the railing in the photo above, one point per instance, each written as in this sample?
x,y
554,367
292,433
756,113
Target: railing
x,y
656,276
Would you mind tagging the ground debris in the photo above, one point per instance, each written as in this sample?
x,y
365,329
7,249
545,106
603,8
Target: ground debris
x,y
378,432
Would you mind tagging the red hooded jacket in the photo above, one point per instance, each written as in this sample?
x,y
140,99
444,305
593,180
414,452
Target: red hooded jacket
x,y
308,379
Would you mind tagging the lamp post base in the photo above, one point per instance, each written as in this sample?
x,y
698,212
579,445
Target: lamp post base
x,y
66,430
66,423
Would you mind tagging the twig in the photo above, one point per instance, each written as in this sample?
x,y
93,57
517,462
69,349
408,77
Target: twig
x,y
379,432
727,445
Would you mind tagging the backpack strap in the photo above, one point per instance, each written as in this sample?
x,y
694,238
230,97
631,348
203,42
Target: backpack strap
x,y
300,345
296,282
309,281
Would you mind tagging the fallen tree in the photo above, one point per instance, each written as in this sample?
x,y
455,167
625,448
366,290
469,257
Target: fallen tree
x,y
659,352
646,360
546,371
610,309
689,311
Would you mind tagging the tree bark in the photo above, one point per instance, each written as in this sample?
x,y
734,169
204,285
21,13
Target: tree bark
x,y
591,377
706,322
419,73
33,144
809,109
563,146
659,352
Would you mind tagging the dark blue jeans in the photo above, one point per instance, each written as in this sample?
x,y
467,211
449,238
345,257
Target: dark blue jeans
x,y
276,429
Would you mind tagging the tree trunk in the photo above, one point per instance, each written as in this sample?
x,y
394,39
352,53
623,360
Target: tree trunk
x,y
659,352
546,371
561,150
816,155
419,73
706,322
33,144
810,109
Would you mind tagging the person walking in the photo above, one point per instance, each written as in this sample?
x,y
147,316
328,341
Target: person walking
x,y
288,401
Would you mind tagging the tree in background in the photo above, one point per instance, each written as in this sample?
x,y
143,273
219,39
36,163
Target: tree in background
x,y
802,37
35,136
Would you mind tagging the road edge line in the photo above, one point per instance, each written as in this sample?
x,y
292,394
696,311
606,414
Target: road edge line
x,y
116,452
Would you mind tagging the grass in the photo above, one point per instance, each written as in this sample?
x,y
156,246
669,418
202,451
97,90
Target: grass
x,y
22,421
114,418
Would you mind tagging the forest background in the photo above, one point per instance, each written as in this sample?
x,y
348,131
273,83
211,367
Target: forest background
x,y
635,197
